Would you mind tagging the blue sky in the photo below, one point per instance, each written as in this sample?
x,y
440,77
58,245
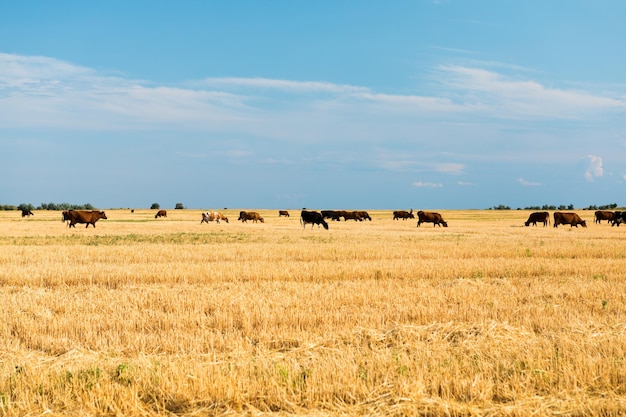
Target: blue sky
x,y
319,104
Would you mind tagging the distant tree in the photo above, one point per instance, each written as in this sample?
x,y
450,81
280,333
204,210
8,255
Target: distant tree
x,y
65,206
501,207
155,206
24,206
179,206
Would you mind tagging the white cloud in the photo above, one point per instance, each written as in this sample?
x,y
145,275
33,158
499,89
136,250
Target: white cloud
x,y
593,167
285,85
514,98
421,184
526,183
465,184
450,168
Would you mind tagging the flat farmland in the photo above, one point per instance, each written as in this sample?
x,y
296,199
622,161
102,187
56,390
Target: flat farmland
x,y
149,317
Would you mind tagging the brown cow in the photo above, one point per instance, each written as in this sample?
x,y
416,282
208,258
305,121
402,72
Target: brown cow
x,y
160,213
538,216
430,217
210,216
66,217
26,213
350,215
244,216
604,215
364,215
572,219
283,213
402,214
83,216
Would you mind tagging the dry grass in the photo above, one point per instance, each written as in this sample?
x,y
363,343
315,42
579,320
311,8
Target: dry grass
x,y
145,317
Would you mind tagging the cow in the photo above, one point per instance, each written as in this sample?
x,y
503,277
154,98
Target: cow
x,y
313,218
87,217
66,216
430,217
244,216
538,216
402,214
160,213
209,216
572,219
350,215
331,214
619,217
26,213
283,213
603,215
364,215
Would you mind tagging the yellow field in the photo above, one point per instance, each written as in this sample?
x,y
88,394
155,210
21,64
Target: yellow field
x,y
145,317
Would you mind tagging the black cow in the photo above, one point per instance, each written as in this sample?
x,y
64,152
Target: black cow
x,y
538,217
26,213
331,214
619,217
312,217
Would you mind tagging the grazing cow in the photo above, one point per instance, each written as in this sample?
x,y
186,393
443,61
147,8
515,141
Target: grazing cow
x,y
538,216
209,216
312,217
331,214
83,216
619,217
603,215
283,213
402,214
160,213
430,217
244,216
572,219
350,215
66,217
26,213
364,215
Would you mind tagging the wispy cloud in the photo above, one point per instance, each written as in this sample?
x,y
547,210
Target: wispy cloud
x,y
277,84
426,184
508,97
450,168
526,183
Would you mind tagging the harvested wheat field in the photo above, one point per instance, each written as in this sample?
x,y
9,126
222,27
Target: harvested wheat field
x,y
169,317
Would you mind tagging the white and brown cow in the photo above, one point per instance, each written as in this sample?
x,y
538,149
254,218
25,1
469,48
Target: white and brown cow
x,y
209,216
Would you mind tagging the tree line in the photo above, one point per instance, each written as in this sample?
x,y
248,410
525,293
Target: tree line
x,y
611,206
48,206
